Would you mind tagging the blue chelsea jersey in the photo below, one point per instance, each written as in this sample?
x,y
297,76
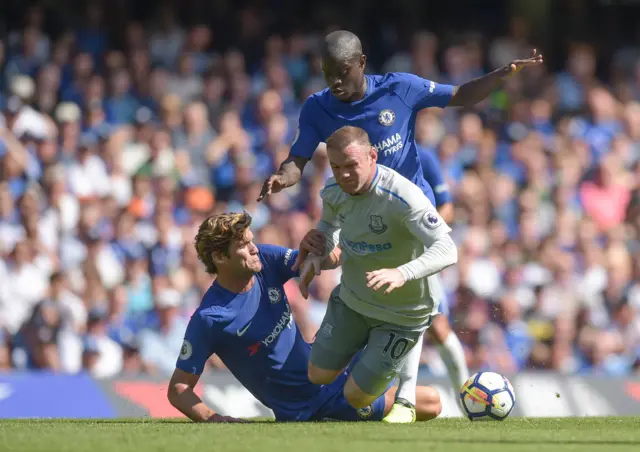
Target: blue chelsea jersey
x,y
254,334
387,113
433,174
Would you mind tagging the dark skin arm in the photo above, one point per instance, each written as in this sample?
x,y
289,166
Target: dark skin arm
x,y
478,89
289,174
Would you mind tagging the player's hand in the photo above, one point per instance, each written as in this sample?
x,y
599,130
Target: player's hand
x,y
314,242
217,418
300,259
273,184
392,277
517,65
310,268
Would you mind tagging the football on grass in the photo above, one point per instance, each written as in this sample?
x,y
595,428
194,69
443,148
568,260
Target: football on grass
x,y
487,396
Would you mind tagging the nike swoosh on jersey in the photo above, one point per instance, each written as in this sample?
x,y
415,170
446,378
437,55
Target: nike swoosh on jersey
x,y
244,330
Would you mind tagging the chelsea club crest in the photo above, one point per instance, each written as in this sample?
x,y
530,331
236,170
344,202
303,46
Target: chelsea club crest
x,y
386,117
365,413
274,295
376,225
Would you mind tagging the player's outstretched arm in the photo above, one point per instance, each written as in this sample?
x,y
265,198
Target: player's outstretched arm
x,y
313,257
184,399
289,174
318,248
302,149
314,242
439,255
440,250
313,266
479,89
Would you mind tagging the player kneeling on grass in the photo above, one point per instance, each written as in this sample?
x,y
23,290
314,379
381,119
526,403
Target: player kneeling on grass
x,y
245,318
392,240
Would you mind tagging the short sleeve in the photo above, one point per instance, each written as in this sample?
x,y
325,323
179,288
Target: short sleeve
x,y
198,345
419,93
280,260
307,138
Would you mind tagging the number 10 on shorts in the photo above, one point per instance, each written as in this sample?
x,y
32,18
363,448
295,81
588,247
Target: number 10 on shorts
x,y
396,346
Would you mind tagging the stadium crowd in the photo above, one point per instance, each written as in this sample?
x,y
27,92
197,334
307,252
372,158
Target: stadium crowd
x,y
112,155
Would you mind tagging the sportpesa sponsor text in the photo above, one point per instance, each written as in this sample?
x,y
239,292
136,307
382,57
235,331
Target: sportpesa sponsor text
x,y
366,247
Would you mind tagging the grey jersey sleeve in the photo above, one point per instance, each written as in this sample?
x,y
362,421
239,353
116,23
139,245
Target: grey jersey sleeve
x,y
329,226
440,250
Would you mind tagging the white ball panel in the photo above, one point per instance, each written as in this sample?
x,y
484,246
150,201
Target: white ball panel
x,y
491,380
473,406
502,404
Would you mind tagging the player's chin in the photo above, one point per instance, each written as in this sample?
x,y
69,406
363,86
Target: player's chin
x,y
341,95
349,188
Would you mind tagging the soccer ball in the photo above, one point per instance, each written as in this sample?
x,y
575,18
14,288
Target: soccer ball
x,y
487,396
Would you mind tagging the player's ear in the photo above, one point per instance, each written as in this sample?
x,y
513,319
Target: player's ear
x,y
218,257
373,154
363,62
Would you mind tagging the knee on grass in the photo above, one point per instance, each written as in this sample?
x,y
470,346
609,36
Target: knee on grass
x,y
428,403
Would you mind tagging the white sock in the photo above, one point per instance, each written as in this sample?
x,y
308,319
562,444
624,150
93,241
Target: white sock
x,y
452,354
408,374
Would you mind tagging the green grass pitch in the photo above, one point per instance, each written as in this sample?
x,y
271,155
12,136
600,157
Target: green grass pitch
x,y
449,435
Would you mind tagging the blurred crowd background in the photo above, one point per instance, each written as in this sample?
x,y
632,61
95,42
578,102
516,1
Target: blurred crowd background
x,y
124,124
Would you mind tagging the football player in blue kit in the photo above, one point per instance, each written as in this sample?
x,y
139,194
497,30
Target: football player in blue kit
x,y
385,106
245,318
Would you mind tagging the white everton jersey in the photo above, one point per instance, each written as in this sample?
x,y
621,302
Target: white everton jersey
x,y
385,227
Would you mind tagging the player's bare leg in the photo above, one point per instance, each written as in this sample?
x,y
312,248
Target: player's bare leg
x,y
404,408
428,403
320,376
450,350
356,397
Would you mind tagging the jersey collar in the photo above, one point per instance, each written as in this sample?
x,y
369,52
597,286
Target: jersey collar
x,y
374,182
218,287
376,178
346,105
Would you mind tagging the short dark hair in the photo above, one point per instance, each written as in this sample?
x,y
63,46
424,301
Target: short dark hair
x,y
347,135
342,45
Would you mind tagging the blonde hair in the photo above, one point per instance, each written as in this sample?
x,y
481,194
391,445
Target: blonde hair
x,y
215,235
